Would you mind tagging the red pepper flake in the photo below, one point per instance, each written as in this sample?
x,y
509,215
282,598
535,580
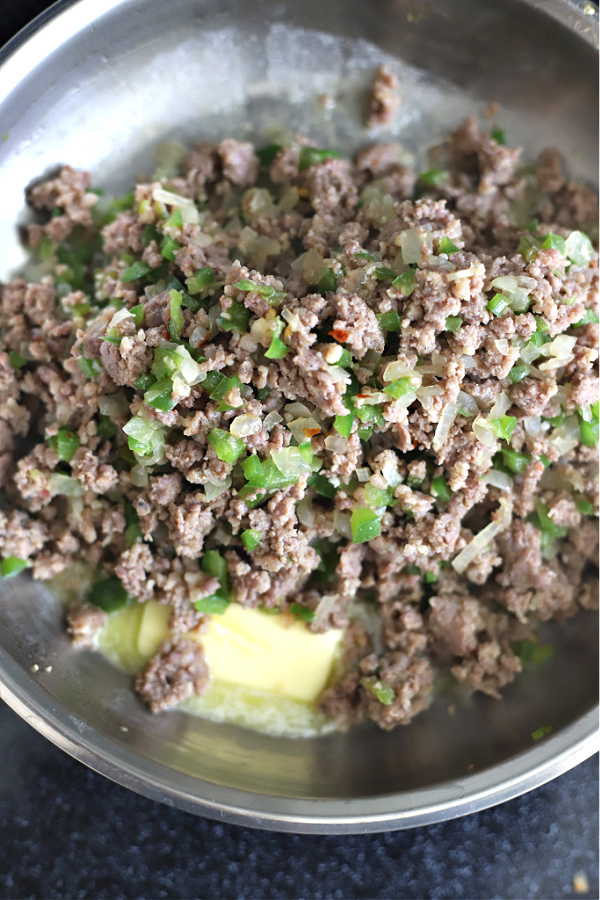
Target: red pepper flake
x,y
339,334
310,432
166,334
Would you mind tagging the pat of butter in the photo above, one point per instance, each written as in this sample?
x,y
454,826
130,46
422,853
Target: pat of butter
x,y
269,652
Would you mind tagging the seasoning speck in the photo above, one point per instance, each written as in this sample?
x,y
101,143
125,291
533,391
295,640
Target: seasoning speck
x,y
580,883
35,668
48,669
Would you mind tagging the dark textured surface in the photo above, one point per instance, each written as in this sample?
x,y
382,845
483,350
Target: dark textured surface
x,y
67,832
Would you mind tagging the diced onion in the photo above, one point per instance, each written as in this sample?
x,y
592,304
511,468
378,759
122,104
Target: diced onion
x,y
532,425
363,474
399,369
198,335
120,316
449,413
468,404
561,347
565,438
369,397
189,213
326,606
529,353
500,407
294,323
515,287
305,512
291,461
271,419
468,361
410,246
298,426
202,240
312,264
296,410
243,426
139,476
499,480
391,474
65,486
502,346
484,432
463,274
427,395
405,401
215,490
113,405
336,443
339,375
341,523
484,538
555,362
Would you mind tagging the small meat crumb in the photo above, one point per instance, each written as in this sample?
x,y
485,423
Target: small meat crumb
x,y
384,100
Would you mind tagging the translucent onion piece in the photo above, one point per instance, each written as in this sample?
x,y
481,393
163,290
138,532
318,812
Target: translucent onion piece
x,y
529,353
215,490
324,609
532,425
468,404
410,247
469,362
139,476
341,523
502,346
189,213
363,474
293,322
485,537
202,240
339,375
484,432
449,413
565,438
243,426
391,474
561,347
515,287
113,405
336,443
271,419
296,410
65,486
312,264
499,408
291,461
405,401
305,512
399,369
300,427
198,335
499,480
120,316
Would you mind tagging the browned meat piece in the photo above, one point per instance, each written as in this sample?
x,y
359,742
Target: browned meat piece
x,y
384,100
83,623
178,671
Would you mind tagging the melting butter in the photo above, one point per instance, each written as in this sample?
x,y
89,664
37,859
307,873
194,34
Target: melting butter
x,y
267,671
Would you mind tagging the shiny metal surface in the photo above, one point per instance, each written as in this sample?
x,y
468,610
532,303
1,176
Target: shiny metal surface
x,y
95,83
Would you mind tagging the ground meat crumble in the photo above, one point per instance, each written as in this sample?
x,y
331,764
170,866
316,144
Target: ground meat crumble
x,y
388,378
